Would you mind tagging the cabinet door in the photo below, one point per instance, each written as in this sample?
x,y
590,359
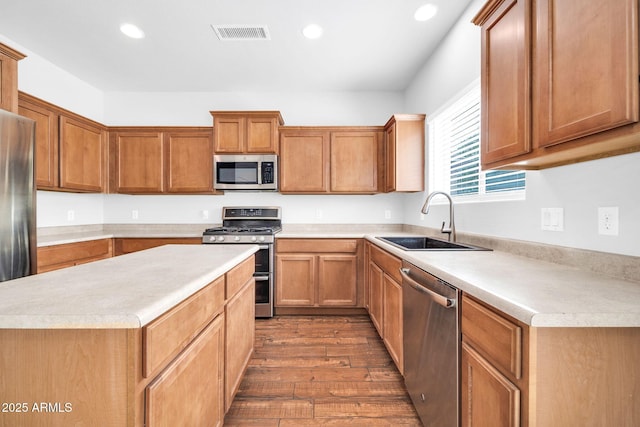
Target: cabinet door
x,y
505,76
139,162
390,157
586,67
229,134
190,390
240,336
376,292
83,154
392,320
296,280
190,161
262,135
488,398
354,162
337,280
46,149
304,162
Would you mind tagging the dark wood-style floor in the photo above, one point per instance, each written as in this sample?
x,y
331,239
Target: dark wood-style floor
x,y
320,370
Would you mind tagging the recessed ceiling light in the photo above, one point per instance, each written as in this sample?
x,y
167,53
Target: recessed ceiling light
x,y
426,12
312,31
132,31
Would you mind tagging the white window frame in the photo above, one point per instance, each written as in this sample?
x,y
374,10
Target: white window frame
x,y
438,162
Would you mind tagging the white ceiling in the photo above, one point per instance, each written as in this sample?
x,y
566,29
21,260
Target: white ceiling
x,y
368,45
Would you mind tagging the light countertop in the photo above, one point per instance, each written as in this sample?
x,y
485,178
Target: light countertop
x,y
536,292
128,291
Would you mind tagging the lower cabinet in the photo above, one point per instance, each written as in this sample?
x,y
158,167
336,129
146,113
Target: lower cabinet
x,y
69,254
190,390
493,381
321,273
123,246
384,300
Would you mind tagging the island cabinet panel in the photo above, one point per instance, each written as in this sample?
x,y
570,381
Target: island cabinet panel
x,y
319,273
188,392
385,300
168,335
66,377
559,81
9,78
69,254
240,334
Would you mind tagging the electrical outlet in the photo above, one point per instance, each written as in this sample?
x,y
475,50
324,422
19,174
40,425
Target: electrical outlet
x,y
552,219
205,214
134,214
387,214
319,214
71,215
608,221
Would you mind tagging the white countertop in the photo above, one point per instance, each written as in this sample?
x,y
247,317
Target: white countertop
x,y
538,293
128,291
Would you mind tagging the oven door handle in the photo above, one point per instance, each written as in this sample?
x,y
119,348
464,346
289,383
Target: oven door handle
x,y
263,246
261,278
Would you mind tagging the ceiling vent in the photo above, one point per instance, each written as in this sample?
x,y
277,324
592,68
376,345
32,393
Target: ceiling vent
x,y
241,32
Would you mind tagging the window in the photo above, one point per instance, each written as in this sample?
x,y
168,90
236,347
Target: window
x,y
454,154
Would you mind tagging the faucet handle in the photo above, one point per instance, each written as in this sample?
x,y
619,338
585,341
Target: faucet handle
x,y
446,231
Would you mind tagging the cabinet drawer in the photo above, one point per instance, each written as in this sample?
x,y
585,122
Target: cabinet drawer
x,y
496,338
388,263
317,245
69,254
169,334
239,275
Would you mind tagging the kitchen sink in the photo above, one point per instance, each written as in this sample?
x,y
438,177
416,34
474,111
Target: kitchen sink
x,y
422,243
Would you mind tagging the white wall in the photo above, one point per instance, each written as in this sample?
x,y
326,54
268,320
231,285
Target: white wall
x,y
579,189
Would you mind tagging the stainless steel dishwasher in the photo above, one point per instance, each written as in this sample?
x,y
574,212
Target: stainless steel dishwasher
x,y
431,346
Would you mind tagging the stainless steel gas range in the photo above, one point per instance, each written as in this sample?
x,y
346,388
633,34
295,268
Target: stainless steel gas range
x,y
257,225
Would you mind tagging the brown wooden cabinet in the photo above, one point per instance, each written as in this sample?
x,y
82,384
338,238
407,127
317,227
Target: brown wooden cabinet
x,y
341,160
246,131
384,289
71,150
404,153
9,78
240,325
493,387
157,160
127,245
69,254
321,273
570,94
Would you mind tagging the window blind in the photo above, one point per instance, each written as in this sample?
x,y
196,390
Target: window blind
x,y
454,147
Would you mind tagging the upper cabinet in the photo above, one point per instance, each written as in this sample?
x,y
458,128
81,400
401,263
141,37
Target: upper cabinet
x,y
240,132
9,78
150,160
404,152
331,160
559,81
71,151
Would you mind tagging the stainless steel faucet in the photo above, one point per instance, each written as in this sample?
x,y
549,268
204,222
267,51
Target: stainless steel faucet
x,y
451,230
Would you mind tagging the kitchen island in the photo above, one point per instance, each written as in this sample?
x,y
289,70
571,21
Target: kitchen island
x,y
127,341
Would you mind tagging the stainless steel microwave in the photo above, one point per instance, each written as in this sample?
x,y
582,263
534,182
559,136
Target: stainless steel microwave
x,y
245,172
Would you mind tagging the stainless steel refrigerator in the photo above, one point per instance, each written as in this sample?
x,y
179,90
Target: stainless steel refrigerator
x,y
17,197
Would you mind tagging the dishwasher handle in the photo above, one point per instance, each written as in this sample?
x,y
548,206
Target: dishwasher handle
x,y
436,297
